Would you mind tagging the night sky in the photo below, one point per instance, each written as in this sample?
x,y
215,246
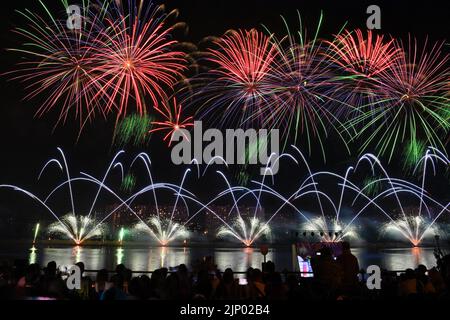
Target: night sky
x,y
27,142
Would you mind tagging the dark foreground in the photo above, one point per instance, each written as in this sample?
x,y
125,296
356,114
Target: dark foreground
x,y
333,280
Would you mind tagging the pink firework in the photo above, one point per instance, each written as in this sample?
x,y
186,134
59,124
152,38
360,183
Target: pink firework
x,y
135,62
173,115
239,85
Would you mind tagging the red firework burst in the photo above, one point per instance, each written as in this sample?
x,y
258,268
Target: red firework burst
x,y
361,58
174,122
238,85
135,62
120,56
363,55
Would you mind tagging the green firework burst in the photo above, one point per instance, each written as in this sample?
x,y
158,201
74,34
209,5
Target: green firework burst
x,y
412,153
372,186
133,130
129,183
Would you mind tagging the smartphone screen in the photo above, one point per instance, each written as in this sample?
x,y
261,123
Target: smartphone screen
x,y
243,282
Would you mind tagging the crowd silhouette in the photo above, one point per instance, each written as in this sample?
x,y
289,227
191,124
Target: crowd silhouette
x,y
335,278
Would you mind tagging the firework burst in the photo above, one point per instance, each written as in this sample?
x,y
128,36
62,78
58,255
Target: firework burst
x,y
120,56
372,186
413,152
305,89
360,58
132,130
58,64
174,122
411,105
238,86
363,55
136,59
129,183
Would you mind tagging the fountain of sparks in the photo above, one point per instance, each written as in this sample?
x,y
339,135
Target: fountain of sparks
x,y
73,226
410,225
164,230
249,228
80,228
122,233
413,228
170,226
420,222
330,230
251,231
333,226
332,195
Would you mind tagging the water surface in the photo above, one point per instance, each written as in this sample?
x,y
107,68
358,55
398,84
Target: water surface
x,y
239,259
